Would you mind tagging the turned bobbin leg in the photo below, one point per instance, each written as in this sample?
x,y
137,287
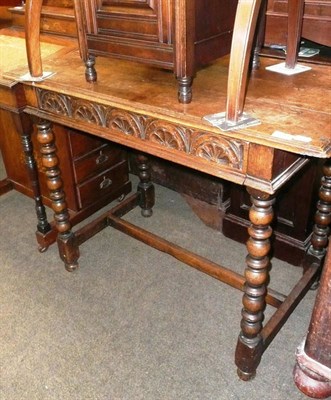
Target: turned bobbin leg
x,y
145,186
321,230
250,343
43,226
68,248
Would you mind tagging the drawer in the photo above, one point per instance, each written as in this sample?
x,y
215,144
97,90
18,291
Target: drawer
x,y
82,143
96,161
103,184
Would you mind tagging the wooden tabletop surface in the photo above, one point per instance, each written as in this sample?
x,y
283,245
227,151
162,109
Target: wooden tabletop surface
x,y
294,110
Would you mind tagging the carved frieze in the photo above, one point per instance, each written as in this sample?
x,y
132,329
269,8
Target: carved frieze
x,y
212,147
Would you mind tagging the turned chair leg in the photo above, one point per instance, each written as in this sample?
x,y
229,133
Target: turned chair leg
x,y
250,346
32,33
68,247
294,29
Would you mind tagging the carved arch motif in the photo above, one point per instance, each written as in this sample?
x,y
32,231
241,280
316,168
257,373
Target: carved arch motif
x,y
167,134
218,149
125,122
53,102
86,111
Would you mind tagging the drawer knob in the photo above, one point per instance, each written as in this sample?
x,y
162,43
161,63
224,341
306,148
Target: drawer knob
x,y
106,182
101,158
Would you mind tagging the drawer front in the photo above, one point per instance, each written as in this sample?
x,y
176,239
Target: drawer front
x,y
98,160
82,143
103,184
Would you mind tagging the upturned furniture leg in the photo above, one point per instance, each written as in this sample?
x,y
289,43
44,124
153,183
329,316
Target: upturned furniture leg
x,y
145,186
90,71
43,225
250,345
68,247
185,89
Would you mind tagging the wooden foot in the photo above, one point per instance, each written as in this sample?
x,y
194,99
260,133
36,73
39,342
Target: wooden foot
x,y
185,89
250,344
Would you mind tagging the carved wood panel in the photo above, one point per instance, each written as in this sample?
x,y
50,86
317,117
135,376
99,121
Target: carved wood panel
x,y
215,148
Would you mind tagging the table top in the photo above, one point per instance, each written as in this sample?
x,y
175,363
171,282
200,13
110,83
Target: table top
x,y
136,105
295,105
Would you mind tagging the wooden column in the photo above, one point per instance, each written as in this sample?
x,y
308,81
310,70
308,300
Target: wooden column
x,y
68,246
250,344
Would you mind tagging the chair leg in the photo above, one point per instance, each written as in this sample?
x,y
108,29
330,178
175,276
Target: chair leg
x,y
242,40
294,29
32,34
